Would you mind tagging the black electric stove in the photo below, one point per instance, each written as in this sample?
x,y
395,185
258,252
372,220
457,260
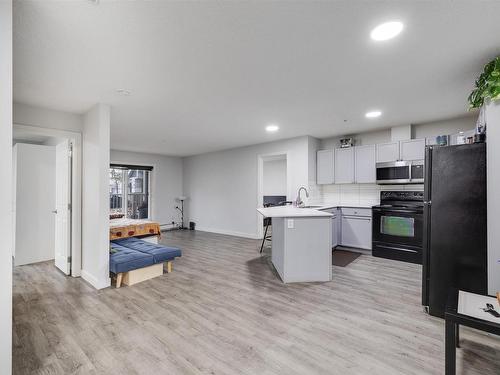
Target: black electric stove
x,y
398,226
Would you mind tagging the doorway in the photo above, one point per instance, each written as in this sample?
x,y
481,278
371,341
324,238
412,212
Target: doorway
x,y
273,183
47,198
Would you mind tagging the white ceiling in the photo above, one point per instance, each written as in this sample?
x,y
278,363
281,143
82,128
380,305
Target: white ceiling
x,y
210,75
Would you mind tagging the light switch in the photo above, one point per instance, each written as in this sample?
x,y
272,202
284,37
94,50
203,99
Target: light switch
x,y
290,223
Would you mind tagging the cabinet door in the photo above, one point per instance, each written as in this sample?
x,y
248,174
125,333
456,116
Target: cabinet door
x,y
364,170
413,149
344,165
335,230
357,232
387,152
324,167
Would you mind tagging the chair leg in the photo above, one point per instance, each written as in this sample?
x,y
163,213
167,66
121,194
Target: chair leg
x,y
264,239
119,279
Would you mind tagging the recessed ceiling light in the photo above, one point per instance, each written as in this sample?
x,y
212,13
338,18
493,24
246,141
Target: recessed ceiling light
x,y
124,92
386,31
373,114
272,128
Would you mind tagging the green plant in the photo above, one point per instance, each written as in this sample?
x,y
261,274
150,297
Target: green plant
x,y
487,85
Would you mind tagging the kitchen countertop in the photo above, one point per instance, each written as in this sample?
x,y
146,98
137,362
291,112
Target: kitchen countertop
x,y
328,206
291,211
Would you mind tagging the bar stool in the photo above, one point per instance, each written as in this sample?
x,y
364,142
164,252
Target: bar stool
x,y
268,221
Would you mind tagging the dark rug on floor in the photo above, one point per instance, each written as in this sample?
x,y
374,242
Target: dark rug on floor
x,y
343,258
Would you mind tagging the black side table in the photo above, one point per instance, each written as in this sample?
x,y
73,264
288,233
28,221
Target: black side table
x,y
465,312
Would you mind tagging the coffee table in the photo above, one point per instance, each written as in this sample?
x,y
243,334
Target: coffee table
x,y
464,308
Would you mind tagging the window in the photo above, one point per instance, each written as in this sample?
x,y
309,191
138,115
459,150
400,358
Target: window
x,y
129,191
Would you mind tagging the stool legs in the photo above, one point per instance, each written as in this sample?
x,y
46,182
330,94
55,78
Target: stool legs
x,y
265,238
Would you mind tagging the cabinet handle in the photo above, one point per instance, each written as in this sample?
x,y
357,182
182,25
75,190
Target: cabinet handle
x,y
356,218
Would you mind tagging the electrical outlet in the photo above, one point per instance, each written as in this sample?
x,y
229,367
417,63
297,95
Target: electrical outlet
x,y
290,223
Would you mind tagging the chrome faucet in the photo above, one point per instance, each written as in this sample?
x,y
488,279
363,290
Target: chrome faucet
x,y
298,201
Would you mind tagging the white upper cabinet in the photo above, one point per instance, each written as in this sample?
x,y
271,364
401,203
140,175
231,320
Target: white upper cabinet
x,y
344,165
324,167
364,169
412,149
387,152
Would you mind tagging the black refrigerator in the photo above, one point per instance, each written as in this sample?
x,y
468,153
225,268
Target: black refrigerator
x,y
455,244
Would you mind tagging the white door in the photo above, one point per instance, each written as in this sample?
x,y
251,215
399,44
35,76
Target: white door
x,y
63,207
365,164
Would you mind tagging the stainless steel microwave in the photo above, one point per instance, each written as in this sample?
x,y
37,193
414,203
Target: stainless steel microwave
x,y
401,172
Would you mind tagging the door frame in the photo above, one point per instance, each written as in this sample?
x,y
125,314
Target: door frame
x,y
76,188
260,184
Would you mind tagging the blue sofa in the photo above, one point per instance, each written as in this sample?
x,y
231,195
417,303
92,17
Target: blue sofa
x,y
132,253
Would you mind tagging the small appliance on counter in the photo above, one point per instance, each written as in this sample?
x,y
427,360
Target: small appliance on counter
x,y
455,243
397,229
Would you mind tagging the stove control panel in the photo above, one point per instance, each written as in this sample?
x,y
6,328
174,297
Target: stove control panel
x,y
401,196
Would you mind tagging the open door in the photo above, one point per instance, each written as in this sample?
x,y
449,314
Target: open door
x,y
63,207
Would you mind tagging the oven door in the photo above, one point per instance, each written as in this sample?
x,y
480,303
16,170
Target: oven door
x,y
398,172
398,226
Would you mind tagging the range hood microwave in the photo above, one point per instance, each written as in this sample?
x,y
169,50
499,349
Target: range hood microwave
x,y
400,172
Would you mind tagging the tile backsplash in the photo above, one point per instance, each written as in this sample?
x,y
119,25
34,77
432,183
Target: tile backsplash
x,y
355,194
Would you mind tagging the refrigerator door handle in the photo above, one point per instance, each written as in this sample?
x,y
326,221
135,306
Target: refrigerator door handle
x,y
427,228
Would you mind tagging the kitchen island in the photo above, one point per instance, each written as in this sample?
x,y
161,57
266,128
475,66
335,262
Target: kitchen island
x,y
301,243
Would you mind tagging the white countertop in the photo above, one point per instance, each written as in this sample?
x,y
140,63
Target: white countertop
x,y
326,206
291,211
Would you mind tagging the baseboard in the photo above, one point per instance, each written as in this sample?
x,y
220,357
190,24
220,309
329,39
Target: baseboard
x,y
94,281
252,236
30,262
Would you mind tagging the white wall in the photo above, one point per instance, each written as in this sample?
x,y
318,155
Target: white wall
x,y
94,127
425,130
368,138
493,181
448,126
274,177
222,186
34,198
25,114
95,197
166,182
6,187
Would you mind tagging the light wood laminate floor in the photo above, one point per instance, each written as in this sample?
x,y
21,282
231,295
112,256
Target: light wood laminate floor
x,y
224,311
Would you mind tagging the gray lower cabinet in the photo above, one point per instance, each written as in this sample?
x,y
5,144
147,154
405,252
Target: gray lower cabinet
x,y
356,228
335,228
